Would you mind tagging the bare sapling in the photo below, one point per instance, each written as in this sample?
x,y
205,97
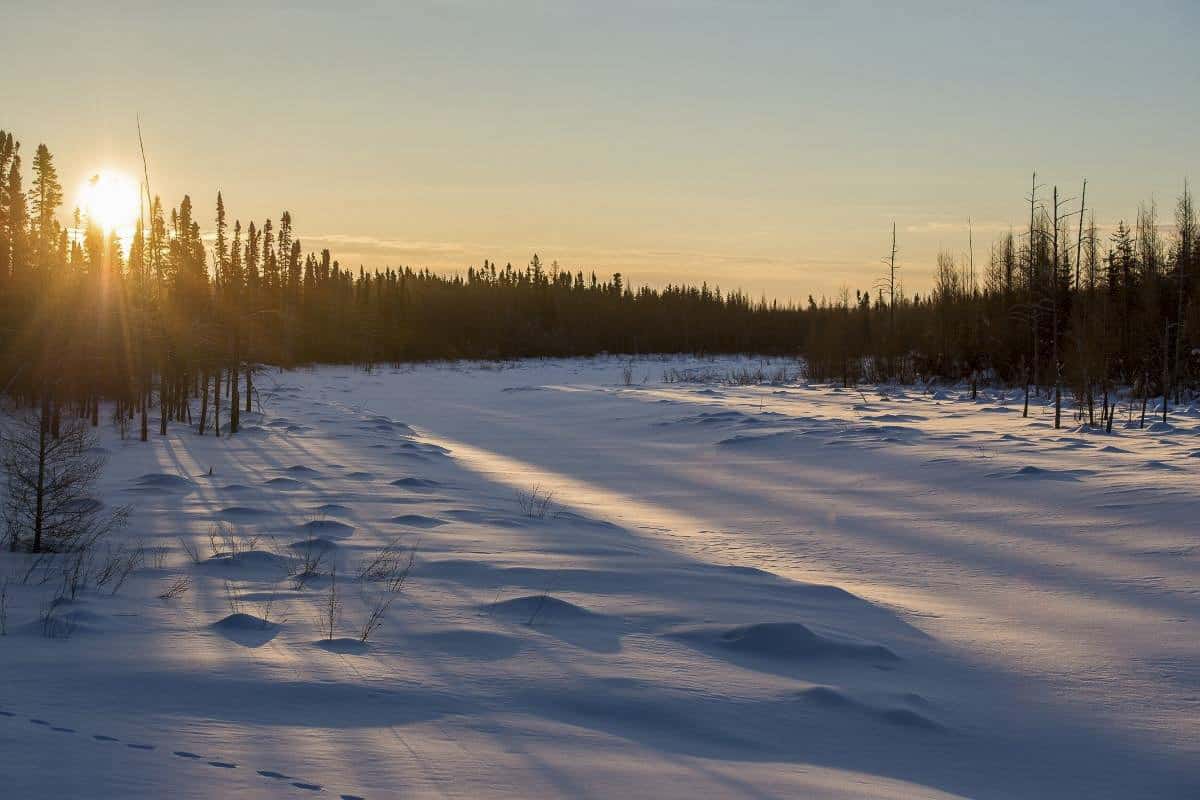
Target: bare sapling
x,y
306,562
232,599
378,605
49,505
177,588
265,607
383,564
116,567
332,610
190,550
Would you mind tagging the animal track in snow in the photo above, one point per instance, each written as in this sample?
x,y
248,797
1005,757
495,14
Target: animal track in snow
x,y
184,754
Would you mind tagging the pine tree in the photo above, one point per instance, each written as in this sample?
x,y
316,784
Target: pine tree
x,y
45,196
16,219
270,269
222,244
8,150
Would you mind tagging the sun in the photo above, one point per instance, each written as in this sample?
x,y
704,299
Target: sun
x,y
111,200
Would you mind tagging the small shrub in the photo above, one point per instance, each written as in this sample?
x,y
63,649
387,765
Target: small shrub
x,y
190,548
223,541
331,612
56,625
178,588
384,564
378,605
306,562
535,502
232,599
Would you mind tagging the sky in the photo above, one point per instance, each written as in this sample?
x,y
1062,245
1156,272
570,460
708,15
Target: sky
x,y
766,146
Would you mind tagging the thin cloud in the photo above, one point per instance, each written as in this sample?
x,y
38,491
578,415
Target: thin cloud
x,y
935,226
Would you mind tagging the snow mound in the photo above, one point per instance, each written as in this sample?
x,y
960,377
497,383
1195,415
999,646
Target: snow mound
x,y
360,476
538,608
243,622
829,698
417,521
83,505
343,646
888,433
580,519
416,484
332,508
164,480
891,417
328,527
241,512
757,440
1160,465
64,618
1031,472
283,483
709,418
302,469
380,423
313,545
259,561
790,641
907,718
419,449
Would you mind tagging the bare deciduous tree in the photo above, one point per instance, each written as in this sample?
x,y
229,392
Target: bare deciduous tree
x,y
49,505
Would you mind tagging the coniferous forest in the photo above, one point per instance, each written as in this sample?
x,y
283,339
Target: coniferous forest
x,y
173,325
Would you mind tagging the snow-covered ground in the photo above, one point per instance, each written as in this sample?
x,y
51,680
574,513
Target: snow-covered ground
x,y
761,591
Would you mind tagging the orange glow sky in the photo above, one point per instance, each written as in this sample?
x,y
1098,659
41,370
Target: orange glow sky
x,y
763,145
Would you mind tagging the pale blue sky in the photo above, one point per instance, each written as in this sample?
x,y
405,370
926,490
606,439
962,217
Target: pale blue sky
x,y
756,144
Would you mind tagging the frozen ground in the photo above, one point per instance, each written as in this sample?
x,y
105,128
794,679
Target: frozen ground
x,y
791,591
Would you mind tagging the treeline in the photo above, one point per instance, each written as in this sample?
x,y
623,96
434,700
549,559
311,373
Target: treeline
x,y
174,321
180,323
1059,305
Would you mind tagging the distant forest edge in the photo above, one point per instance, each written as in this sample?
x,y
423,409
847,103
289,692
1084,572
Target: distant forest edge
x,y
1055,304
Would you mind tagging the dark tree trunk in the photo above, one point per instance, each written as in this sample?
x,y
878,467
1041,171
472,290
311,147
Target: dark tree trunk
x,y
203,401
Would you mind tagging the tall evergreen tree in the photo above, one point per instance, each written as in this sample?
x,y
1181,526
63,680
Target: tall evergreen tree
x,y
45,196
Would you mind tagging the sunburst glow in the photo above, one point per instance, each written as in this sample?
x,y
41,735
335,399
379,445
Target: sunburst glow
x,y
111,200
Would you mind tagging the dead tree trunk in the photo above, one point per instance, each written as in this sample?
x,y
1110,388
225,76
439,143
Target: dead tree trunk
x,y
235,403
217,402
1166,369
1145,396
203,401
